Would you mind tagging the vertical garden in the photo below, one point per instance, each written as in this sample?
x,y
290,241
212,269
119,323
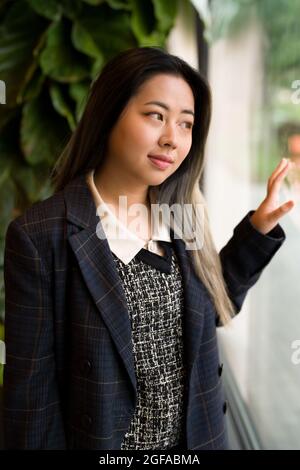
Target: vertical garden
x,y
50,52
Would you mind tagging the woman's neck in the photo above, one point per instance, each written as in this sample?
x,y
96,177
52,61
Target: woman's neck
x,y
111,193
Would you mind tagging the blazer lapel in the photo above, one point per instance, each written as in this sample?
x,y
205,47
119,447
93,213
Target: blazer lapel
x,y
98,268
102,279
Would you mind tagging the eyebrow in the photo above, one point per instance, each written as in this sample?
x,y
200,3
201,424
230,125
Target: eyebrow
x,y
163,105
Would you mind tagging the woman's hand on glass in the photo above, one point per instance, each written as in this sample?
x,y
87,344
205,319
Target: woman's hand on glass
x,y
267,215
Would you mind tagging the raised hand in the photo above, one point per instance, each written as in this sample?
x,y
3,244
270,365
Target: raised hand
x,y
267,215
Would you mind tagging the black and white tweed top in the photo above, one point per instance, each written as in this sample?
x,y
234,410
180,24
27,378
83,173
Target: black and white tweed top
x,y
154,292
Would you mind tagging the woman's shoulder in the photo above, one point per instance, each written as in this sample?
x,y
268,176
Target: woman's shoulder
x,y
42,218
45,222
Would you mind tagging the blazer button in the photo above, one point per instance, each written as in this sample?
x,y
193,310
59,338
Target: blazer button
x,y
86,421
220,369
225,406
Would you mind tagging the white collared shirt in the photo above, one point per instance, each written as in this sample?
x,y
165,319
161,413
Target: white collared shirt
x,y
126,246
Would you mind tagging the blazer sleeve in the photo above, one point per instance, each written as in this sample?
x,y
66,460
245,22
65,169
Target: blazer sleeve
x,y
245,256
32,414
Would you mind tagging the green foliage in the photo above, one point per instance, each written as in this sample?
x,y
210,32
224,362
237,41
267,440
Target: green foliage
x,y
50,52
280,22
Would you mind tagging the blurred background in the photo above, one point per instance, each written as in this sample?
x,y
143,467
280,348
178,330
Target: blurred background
x,y
50,52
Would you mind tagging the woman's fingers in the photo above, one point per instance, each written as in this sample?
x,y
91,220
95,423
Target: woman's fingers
x,y
277,180
281,210
282,164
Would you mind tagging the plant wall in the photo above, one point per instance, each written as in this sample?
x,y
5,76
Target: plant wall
x,y
50,52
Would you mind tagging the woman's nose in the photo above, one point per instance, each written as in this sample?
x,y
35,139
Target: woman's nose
x,y
168,136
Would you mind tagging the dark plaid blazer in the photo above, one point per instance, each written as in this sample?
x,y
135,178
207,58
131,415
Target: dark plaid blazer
x,y
69,378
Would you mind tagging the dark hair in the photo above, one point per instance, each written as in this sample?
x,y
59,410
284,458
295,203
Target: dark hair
x,y
117,82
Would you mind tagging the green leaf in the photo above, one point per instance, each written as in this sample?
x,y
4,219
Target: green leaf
x,y
5,165
7,202
33,79
71,8
51,9
165,13
109,30
61,105
19,32
84,42
54,9
6,114
9,145
97,67
143,18
152,20
119,4
7,155
156,38
79,92
34,182
32,88
59,59
94,2
42,131
1,331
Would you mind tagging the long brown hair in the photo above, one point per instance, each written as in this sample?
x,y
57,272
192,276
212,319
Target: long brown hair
x,y
118,81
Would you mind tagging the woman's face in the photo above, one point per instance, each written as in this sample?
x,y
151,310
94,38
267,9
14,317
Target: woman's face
x,y
150,129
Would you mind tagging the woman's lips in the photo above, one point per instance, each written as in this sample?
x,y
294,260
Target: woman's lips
x,y
161,164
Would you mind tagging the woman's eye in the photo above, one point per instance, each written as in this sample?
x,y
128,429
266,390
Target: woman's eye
x,y
189,124
158,114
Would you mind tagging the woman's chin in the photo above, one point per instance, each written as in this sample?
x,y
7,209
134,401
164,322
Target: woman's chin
x,y
158,178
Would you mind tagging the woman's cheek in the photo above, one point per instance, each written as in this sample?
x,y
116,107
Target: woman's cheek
x,y
147,138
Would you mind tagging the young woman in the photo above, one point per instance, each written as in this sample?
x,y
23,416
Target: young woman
x,y
111,341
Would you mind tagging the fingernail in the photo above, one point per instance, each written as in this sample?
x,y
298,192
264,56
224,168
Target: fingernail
x,y
289,205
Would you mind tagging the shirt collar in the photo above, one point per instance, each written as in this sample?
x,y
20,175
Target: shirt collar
x,y
127,245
